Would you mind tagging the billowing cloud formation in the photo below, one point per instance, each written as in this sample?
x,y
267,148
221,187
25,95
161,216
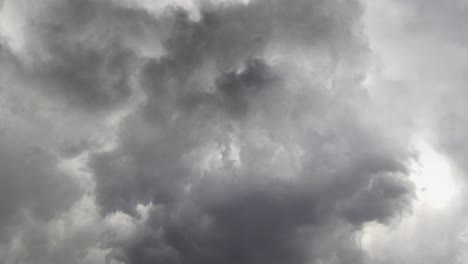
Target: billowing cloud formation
x,y
204,132
247,159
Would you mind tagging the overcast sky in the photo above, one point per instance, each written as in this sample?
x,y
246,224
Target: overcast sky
x,y
233,132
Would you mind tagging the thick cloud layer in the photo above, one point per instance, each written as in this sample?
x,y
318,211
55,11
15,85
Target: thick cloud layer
x,y
247,159
209,132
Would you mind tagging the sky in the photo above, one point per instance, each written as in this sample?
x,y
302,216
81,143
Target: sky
x,y
233,132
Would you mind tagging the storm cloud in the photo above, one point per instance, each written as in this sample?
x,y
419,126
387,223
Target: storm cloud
x,y
252,132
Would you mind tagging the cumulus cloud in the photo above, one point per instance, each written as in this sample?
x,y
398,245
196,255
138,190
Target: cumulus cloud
x,y
249,159
256,131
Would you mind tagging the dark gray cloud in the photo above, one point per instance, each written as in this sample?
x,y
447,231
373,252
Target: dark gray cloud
x,y
33,185
248,160
31,180
224,132
29,174
83,52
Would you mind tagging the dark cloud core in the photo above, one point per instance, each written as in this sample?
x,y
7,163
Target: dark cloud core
x,y
304,156
205,132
